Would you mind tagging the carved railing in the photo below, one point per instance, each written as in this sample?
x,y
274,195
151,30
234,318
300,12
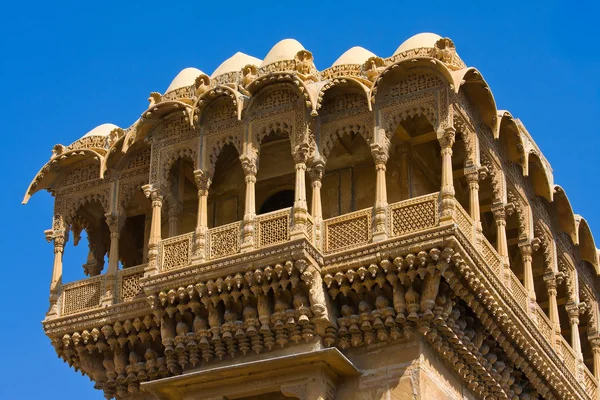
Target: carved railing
x,y
82,295
310,229
224,240
272,228
128,283
465,223
491,257
569,356
544,324
519,293
176,252
413,215
348,230
590,383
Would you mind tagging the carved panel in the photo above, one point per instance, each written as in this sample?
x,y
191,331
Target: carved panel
x,y
348,230
176,252
82,295
413,215
273,228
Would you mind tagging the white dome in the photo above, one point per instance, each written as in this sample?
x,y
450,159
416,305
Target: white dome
x,y
235,63
417,41
284,50
355,55
184,78
101,130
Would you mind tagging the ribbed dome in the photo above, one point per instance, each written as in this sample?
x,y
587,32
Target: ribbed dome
x,y
417,41
184,78
355,55
101,130
284,50
235,63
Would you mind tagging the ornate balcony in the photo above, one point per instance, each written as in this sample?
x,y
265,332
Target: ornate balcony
x,y
348,252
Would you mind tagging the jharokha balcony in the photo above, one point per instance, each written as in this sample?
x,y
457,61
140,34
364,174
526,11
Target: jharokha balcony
x,y
270,206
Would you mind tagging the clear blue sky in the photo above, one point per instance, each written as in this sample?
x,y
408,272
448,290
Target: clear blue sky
x,y
65,69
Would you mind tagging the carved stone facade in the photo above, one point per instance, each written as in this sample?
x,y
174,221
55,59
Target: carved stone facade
x,y
428,255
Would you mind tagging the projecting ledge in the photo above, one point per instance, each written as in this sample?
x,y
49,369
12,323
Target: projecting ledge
x,y
309,375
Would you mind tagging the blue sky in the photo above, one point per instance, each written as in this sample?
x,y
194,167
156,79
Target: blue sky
x,y
66,68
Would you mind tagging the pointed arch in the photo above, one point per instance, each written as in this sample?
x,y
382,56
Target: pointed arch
x,y
565,214
293,79
541,179
52,170
507,132
238,100
341,82
587,246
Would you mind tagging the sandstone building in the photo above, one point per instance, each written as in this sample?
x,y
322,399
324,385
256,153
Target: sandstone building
x,y
374,230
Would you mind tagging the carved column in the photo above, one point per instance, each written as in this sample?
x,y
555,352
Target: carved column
x,y
446,139
550,281
316,176
526,252
300,205
595,343
250,168
203,183
175,209
59,238
500,218
156,197
380,156
472,176
115,223
573,311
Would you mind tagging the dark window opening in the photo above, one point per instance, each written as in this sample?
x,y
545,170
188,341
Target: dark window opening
x,y
278,201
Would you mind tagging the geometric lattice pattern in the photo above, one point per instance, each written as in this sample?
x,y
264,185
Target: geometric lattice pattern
x,y
83,295
464,222
348,230
519,292
176,251
224,240
129,282
310,229
414,216
491,257
544,325
569,357
273,228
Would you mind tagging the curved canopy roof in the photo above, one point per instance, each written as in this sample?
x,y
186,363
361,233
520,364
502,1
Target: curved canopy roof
x,y
185,77
417,41
354,55
235,63
284,50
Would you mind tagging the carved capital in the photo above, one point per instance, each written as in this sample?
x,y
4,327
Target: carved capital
x,y
153,193
316,171
447,137
115,222
202,179
301,153
499,214
380,154
249,165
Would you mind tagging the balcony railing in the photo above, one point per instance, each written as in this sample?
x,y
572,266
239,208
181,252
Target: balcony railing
x,y
338,234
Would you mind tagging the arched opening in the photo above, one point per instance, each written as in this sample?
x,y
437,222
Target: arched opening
x,y
133,240
515,255
562,299
541,265
459,162
486,199
276,173
349,179
226,193
89,224
414,167
182,199
586,329
277,201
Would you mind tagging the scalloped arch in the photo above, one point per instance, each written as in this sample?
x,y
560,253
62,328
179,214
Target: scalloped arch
x,y
478,92
507,131
202,102
342,81
291,78
405,65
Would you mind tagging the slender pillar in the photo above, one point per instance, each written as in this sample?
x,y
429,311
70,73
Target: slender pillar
x,y
203,183
316,177
526,252
500,218
115,222
380,156
573,311
595,343
175,209
473,181
59,238
550,281
249,166
156,197
446,138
